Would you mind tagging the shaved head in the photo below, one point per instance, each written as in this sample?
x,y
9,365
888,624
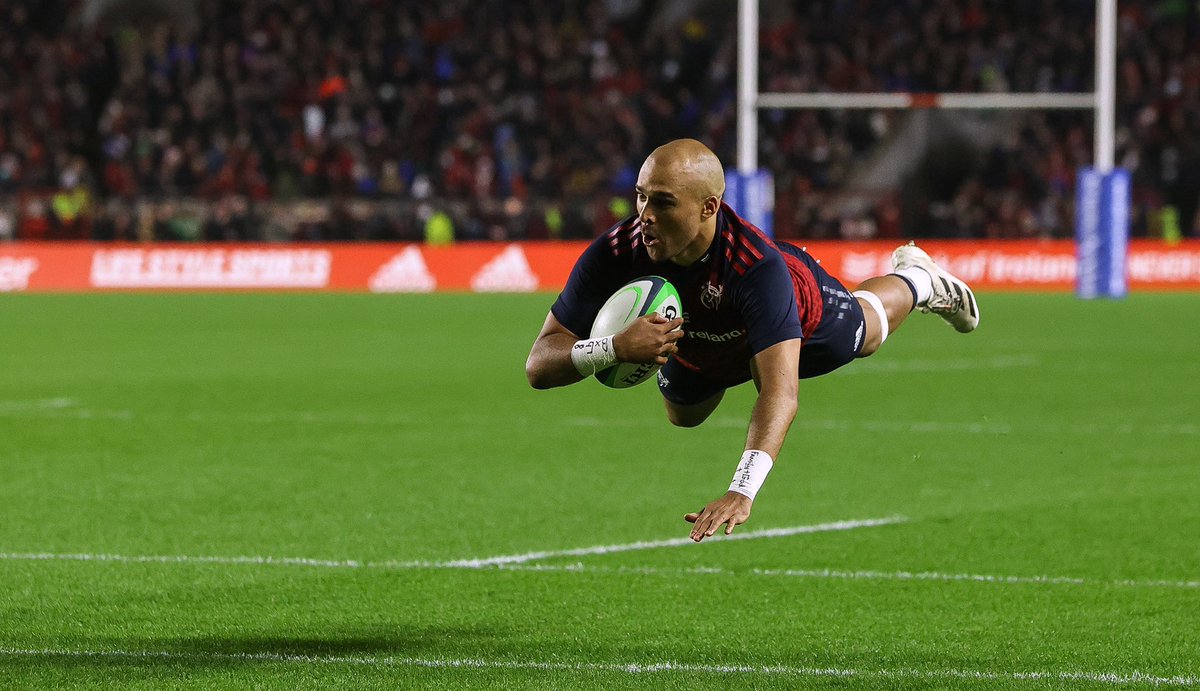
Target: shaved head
x,y
689,166
679,192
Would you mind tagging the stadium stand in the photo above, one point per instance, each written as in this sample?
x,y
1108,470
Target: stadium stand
x,y
283,120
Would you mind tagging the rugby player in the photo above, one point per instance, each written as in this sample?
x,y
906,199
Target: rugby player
x,y
754,308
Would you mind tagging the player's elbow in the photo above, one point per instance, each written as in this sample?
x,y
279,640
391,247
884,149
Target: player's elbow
x,y
539,374
536,375
539,382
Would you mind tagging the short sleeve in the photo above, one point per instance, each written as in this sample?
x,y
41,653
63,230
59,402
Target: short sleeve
x,y
588,286
766,298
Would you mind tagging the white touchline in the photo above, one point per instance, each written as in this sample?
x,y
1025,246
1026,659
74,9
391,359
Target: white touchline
x,y
672,542
1113,678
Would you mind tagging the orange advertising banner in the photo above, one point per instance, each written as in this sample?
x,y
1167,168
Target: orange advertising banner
x,y
517,267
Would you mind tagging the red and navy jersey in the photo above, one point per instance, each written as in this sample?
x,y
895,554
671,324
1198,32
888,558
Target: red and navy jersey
x,y
746,294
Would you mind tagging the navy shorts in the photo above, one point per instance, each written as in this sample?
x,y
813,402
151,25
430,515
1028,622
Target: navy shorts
x,y
836,341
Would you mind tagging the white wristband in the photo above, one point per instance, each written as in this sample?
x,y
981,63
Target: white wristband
x,y
593,354
751,472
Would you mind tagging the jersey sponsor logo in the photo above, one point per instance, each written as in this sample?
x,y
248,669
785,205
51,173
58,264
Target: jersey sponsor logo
x,y
717,338
507,271
404,273
710,295
188,268
15,273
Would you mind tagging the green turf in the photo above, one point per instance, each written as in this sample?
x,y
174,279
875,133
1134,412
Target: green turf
x,y
1060,441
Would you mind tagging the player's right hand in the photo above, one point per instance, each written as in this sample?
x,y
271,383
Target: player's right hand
x,y
651,338
731,510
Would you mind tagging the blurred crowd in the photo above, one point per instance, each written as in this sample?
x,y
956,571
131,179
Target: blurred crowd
x,y
487,119
1019,183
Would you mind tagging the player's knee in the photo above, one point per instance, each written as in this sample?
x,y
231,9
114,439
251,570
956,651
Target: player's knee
x,y
685,419
691,415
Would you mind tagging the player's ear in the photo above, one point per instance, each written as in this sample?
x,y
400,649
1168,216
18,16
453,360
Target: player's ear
x,y
710,207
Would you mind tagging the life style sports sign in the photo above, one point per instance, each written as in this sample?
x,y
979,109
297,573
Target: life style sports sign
x,y
518,267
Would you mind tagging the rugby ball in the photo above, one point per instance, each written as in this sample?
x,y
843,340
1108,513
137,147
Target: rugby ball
x,y
637,298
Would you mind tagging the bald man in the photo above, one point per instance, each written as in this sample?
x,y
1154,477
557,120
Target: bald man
x,y
754,309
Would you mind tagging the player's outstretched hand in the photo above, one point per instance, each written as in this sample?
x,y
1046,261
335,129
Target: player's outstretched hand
x,y
733,509
648,339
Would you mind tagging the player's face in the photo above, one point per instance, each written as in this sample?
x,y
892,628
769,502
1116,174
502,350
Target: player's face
x,y
671,217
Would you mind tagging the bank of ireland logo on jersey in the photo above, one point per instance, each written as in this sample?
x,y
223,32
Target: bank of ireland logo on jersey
x,y
710,295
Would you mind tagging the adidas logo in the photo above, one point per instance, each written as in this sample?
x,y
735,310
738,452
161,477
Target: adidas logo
x,y
509,271
15,272
404,273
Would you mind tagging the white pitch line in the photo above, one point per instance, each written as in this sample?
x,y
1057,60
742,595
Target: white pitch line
x,y
453,564
974,577
630,668
839,574
672,542
577,567
180,559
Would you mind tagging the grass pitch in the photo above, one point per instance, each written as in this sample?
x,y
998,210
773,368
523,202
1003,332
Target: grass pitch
x,y
275,491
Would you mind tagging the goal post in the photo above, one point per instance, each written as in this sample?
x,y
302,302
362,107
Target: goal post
x,y
1102,192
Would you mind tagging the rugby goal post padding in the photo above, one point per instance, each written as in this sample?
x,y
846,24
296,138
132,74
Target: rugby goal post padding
x,y
1101,233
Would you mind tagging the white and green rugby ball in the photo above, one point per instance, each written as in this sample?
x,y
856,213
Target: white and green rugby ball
x,y
637,298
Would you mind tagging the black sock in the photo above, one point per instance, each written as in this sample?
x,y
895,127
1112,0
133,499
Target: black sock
x,y
911,288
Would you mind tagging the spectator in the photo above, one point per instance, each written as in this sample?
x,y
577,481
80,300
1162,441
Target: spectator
x,y
475,104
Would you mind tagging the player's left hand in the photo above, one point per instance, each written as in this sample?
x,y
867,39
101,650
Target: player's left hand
x,y
733,509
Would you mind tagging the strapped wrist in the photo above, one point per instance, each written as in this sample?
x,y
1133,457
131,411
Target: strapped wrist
x,y
591,355
751,472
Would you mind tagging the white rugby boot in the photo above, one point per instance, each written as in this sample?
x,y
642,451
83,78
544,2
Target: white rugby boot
x,y
952,299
